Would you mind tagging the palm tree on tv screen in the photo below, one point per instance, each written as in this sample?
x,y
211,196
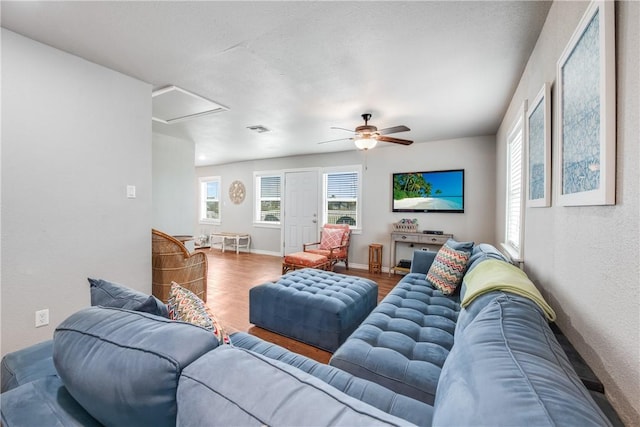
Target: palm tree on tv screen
x,y
411,185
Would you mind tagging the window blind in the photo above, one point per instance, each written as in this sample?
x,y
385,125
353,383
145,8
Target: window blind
x,y
514,192
342,186
268,201
270,187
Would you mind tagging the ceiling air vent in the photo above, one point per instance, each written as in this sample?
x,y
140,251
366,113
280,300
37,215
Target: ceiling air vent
x,y
258,128
173,104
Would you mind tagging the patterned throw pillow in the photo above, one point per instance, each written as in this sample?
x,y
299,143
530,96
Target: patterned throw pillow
x,y
331,238
185,306
448,268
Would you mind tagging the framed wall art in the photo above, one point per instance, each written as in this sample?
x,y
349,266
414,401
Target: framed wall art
x,y
539,150
586,111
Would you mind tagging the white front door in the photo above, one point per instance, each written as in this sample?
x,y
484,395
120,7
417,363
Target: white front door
x,y
300,210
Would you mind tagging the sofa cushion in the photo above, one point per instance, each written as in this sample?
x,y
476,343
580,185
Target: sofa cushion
x,y
469,313
110,294
123,366
404,342
43,402
28,364
506,368
460,246
369,392
421,261
186,306
480,252
448,268
495,275
274,394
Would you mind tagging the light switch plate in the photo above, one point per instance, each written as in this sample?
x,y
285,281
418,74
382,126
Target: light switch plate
x,y
42,317
131,191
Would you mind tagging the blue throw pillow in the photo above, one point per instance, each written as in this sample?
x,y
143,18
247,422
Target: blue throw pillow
x,y
123,367
460,246
109,294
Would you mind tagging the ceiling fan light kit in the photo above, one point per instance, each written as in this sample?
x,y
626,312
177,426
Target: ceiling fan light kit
x,y
365,142
367,136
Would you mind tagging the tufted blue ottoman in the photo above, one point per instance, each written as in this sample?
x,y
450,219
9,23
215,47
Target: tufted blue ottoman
x,y
317,307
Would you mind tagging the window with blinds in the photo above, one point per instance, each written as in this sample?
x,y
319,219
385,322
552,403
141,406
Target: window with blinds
x,y
268,200
210,200
341,194
514,199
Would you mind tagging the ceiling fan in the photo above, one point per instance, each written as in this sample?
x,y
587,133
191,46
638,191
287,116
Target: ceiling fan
x,y
367,136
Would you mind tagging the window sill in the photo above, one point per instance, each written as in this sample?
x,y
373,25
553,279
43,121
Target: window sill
x,y
514,256
267,224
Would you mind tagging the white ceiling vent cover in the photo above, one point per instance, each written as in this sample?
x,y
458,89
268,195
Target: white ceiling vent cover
x,y
173,104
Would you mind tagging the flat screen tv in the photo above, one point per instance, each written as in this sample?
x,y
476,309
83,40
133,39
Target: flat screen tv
x,y
434,191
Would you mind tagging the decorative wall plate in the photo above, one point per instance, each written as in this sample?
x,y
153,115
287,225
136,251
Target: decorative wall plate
x,y
237,192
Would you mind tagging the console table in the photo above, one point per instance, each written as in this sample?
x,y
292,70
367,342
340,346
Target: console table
x,y
237,240
432,241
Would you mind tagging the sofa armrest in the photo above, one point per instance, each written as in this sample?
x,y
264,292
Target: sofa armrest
x,y
422,260
26,365
44,401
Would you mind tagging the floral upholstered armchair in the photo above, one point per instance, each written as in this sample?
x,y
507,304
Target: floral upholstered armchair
x,y
334,244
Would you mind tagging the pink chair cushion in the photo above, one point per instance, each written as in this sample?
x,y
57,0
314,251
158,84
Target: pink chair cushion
x,y
331,238
305,259
342,253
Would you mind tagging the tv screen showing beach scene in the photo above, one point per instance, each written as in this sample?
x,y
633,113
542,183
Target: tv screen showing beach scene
x,y
434,191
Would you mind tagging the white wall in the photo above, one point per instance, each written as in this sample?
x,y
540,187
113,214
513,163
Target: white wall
x,y
174,195
586,259
74,135
476,155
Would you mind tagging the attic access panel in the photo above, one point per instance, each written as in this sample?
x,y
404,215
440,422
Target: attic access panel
x,y
173,104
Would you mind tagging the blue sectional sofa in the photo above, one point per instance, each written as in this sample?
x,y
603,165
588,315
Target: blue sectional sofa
x,y
419,358
405,341
111,366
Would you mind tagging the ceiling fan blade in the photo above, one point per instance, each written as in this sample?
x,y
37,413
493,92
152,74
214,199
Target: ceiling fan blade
x,y
335,127
335,140
395,129
395,140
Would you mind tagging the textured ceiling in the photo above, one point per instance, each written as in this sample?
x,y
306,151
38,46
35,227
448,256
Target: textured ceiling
x,y
446,69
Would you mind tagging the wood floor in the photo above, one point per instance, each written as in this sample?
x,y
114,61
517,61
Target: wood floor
x,y
231,276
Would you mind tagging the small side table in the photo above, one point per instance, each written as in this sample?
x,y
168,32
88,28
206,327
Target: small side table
x,y
375,258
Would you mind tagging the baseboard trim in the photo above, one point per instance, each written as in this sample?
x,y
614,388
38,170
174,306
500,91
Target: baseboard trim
x,y
277,254
261,252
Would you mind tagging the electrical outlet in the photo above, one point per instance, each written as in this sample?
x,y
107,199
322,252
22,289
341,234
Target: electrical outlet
x,y
42,317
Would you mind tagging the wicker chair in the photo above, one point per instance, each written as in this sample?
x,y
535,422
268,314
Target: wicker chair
x,y
172,262
334,251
